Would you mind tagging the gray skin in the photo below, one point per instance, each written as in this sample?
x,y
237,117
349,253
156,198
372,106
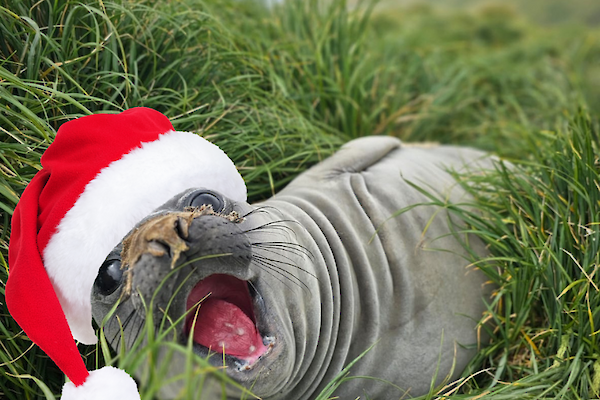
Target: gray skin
x,y
332,273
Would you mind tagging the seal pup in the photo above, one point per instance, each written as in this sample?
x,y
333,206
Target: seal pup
x,y
289,291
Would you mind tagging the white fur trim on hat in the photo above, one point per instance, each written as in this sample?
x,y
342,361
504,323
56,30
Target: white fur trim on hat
x,y
106,383
120,196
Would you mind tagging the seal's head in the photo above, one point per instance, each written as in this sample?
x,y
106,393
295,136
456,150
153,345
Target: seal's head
x,y
102,175
223,275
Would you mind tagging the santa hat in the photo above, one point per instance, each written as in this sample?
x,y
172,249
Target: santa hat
x,y
102,174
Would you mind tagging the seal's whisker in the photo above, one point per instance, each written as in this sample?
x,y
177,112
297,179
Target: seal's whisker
x,y
291,264
262,209
137,334
277,228
254,287
115,337
282,271
295,248
272,225
274,251
272,271
274,235
123,327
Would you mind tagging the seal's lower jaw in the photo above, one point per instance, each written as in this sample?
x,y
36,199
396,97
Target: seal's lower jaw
x,y
222,318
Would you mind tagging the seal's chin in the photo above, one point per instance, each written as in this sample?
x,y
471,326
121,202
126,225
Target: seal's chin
x,y
221,318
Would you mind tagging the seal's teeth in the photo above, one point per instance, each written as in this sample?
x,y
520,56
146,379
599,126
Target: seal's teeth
x,y
240,332
252,349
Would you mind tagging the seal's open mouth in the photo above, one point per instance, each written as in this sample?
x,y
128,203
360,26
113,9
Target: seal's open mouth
x,y
221,318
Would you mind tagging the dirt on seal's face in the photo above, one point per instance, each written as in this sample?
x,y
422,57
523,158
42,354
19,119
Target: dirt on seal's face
x,y
162,234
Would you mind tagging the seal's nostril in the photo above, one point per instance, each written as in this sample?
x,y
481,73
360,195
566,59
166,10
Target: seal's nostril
x,y
158,248
182,227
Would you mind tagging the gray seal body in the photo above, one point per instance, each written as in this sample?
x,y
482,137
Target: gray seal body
x,y
328,270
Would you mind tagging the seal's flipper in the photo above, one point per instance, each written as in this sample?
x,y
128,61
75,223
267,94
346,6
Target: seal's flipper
x,y
360,154
354,156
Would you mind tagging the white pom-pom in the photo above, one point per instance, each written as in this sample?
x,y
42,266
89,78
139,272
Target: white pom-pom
x,y
103,384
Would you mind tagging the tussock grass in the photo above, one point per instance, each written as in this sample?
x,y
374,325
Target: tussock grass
x,y
539,218
64,59
541,222
487,79
281,88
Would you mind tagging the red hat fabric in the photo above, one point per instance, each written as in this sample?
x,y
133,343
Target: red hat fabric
x,y
102,174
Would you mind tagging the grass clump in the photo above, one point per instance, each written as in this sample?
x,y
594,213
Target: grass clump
x,y
487,78
540,220
65,59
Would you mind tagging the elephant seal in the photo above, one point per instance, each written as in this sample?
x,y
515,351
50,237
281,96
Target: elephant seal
x,y
295,288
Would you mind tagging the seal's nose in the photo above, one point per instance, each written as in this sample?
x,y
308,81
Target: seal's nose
x,y
159,236
170,234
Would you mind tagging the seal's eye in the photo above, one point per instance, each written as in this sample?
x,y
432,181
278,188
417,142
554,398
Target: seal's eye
x,y
208,198
109,277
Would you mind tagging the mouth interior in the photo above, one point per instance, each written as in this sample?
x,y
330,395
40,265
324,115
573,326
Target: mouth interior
x,y
221,317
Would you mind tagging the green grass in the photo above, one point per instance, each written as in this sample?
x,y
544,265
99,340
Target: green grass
x,y
547,12
280,89
539,218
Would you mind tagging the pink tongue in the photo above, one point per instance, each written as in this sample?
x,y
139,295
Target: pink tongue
x,y
224,325
225,317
